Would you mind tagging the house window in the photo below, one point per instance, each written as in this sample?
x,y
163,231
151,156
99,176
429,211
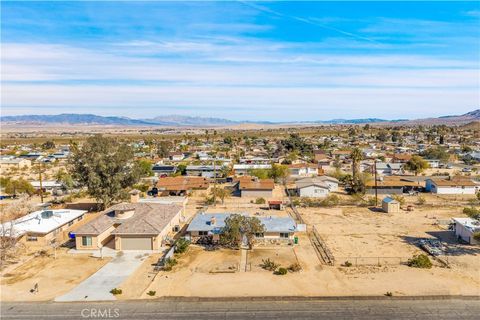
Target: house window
x,y
86,241
203,233
259,235
284,234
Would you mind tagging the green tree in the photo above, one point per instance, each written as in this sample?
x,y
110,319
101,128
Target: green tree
x,y
416,164
49,144
164,148
220,193
19,186
237,227
145,167
106,167
65,178
436,153
356,155
260,173
279,173
182,169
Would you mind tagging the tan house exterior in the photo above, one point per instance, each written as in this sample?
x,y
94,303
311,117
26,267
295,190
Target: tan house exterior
x,y
41,228
131,226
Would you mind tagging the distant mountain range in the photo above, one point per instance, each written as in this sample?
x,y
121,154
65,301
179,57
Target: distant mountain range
x,y
188,121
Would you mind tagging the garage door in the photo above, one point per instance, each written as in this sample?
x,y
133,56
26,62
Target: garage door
x,y
136,243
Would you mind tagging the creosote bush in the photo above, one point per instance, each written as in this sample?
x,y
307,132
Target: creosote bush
x,y
269,265
116,291
420,261
281,271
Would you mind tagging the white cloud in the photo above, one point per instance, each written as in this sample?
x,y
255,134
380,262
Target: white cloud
x,y
273,85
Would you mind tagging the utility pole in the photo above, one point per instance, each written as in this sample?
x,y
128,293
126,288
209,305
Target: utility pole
x,y
40,179
375,173
214,181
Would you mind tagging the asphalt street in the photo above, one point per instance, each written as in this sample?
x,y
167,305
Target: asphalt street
x,y
281,309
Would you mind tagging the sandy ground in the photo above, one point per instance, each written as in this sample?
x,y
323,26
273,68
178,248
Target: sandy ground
x,y
349,232
313,280
54,276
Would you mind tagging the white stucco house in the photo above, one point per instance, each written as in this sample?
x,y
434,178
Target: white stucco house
x,y
451,186
317,187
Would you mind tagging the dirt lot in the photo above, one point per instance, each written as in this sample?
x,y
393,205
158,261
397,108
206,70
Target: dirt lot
x,y
54,276
349,232
284,256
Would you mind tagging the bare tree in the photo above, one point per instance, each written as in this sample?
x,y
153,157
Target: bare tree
x,y
8,214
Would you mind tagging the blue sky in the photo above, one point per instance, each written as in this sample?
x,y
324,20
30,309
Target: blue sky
x,y
241,60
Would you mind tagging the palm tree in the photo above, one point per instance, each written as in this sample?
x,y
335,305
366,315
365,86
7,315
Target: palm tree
x,y
356,157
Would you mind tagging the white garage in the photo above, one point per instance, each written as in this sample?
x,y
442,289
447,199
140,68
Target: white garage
x,y
136,243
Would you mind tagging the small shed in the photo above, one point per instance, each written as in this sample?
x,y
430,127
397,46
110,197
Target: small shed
x,y
390,205
275,204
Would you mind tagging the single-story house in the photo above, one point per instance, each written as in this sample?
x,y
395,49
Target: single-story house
x,y
206,171
47,185
395,185
12,162
212,224
41,227
181,185
451,186
389,169
163,170
131,226
316,187
390,205
254,187
401,157
433,163
176,156
303,170
465,228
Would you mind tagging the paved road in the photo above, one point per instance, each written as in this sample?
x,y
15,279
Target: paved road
x,y
97,287
280,309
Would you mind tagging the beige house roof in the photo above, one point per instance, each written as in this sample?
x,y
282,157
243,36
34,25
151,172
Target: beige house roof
x,y
181,183
147,218
251,183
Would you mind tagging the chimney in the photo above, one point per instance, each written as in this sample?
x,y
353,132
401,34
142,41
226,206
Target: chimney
x,y
134,196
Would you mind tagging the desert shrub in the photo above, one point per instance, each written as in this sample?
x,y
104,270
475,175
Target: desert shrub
x,y
269,265
389,294
420,261
421,200
151,293
472,212
476,235
169,264
347,264
116,291
260,201
181,245
399,198
281,271
330,201
295,267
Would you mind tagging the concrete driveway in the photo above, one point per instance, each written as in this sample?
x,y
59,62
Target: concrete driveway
x,y
97,287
